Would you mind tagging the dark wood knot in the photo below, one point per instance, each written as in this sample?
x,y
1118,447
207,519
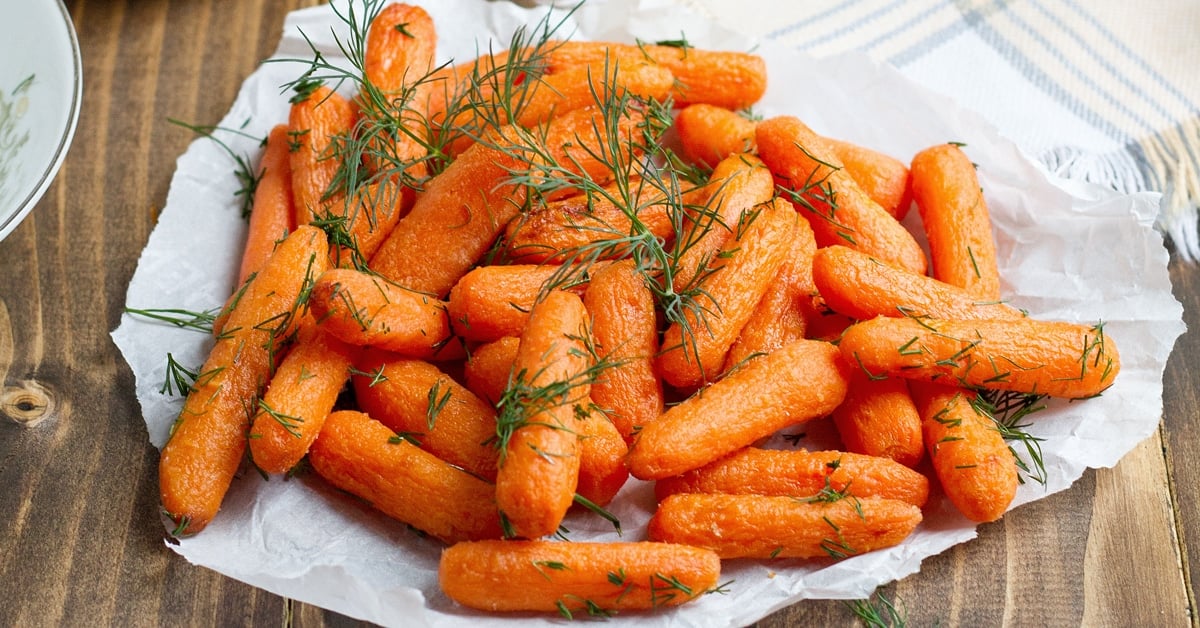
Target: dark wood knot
x,y
28,403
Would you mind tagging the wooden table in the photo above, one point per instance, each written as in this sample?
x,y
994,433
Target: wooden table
x,y
80,539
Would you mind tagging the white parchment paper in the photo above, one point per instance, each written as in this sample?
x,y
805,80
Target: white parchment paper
x,y
1066,251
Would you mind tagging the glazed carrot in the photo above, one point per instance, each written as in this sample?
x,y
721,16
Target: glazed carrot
x,y
762,526
489,366
1055,358
625,332
602,451
804,163
539,434
314,124
779,316
567,578
694,352
801,473
885,179
821,322
271,217
709,134
576,226
795,383
367,310
973,463
208,440
962,250
401,43
465,208
418,401
359,455
737,186
371,216
860,286
302,392
491,302
878,418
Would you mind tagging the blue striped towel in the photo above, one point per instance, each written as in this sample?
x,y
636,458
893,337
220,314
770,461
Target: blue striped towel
x,y
1099,90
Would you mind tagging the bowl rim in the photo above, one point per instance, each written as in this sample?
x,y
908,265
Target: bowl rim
x,y
10,222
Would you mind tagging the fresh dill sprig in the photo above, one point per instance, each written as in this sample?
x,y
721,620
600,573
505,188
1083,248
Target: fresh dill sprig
x,y
201,321
1009,410
245,172
877,611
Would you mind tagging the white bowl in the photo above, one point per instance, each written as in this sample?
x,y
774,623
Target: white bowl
x,y
41,86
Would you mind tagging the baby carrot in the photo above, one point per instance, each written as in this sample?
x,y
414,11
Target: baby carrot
x,y
860,286
836,206
302,392
491,302
208,440
359,455
801,473
489,366
762,526
314,125
625,332
367,310
878,418
567,578
795,383
401,43
371,216
580,86
1055,358
694,350
602,451
962,250
975,466
779,316
539,434
271,217
882,177
426,406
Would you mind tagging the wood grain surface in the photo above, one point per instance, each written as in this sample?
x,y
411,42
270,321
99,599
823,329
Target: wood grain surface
x,y
81,542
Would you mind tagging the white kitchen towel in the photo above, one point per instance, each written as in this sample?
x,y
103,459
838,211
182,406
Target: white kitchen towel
x,y
1099,90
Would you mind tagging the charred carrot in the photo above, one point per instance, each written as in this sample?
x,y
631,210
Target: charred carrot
x,y
362,457
488,368
801,473
426,406
567,578
366,310
795,383
973,463
840,212
878,418
491,302
962,250
762,526
625,331
694,350
863,287
301,394
315,122
1055,358
271,217
602,451
208,440
779,316
537,429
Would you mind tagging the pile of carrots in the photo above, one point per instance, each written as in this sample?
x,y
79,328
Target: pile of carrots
x,y
481,295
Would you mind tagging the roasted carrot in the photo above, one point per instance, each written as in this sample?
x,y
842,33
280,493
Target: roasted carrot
x,y
836,206
863,287
271,217
315,124
801,473
625,332
694,349
762,526
962,250
302,392
1055,358
878,418
366,310
795,383
488,368
885,179
208,440
567,578
973,463
401,43
539,434
602,451
491,302
370,217
779,316
362,457
426,406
